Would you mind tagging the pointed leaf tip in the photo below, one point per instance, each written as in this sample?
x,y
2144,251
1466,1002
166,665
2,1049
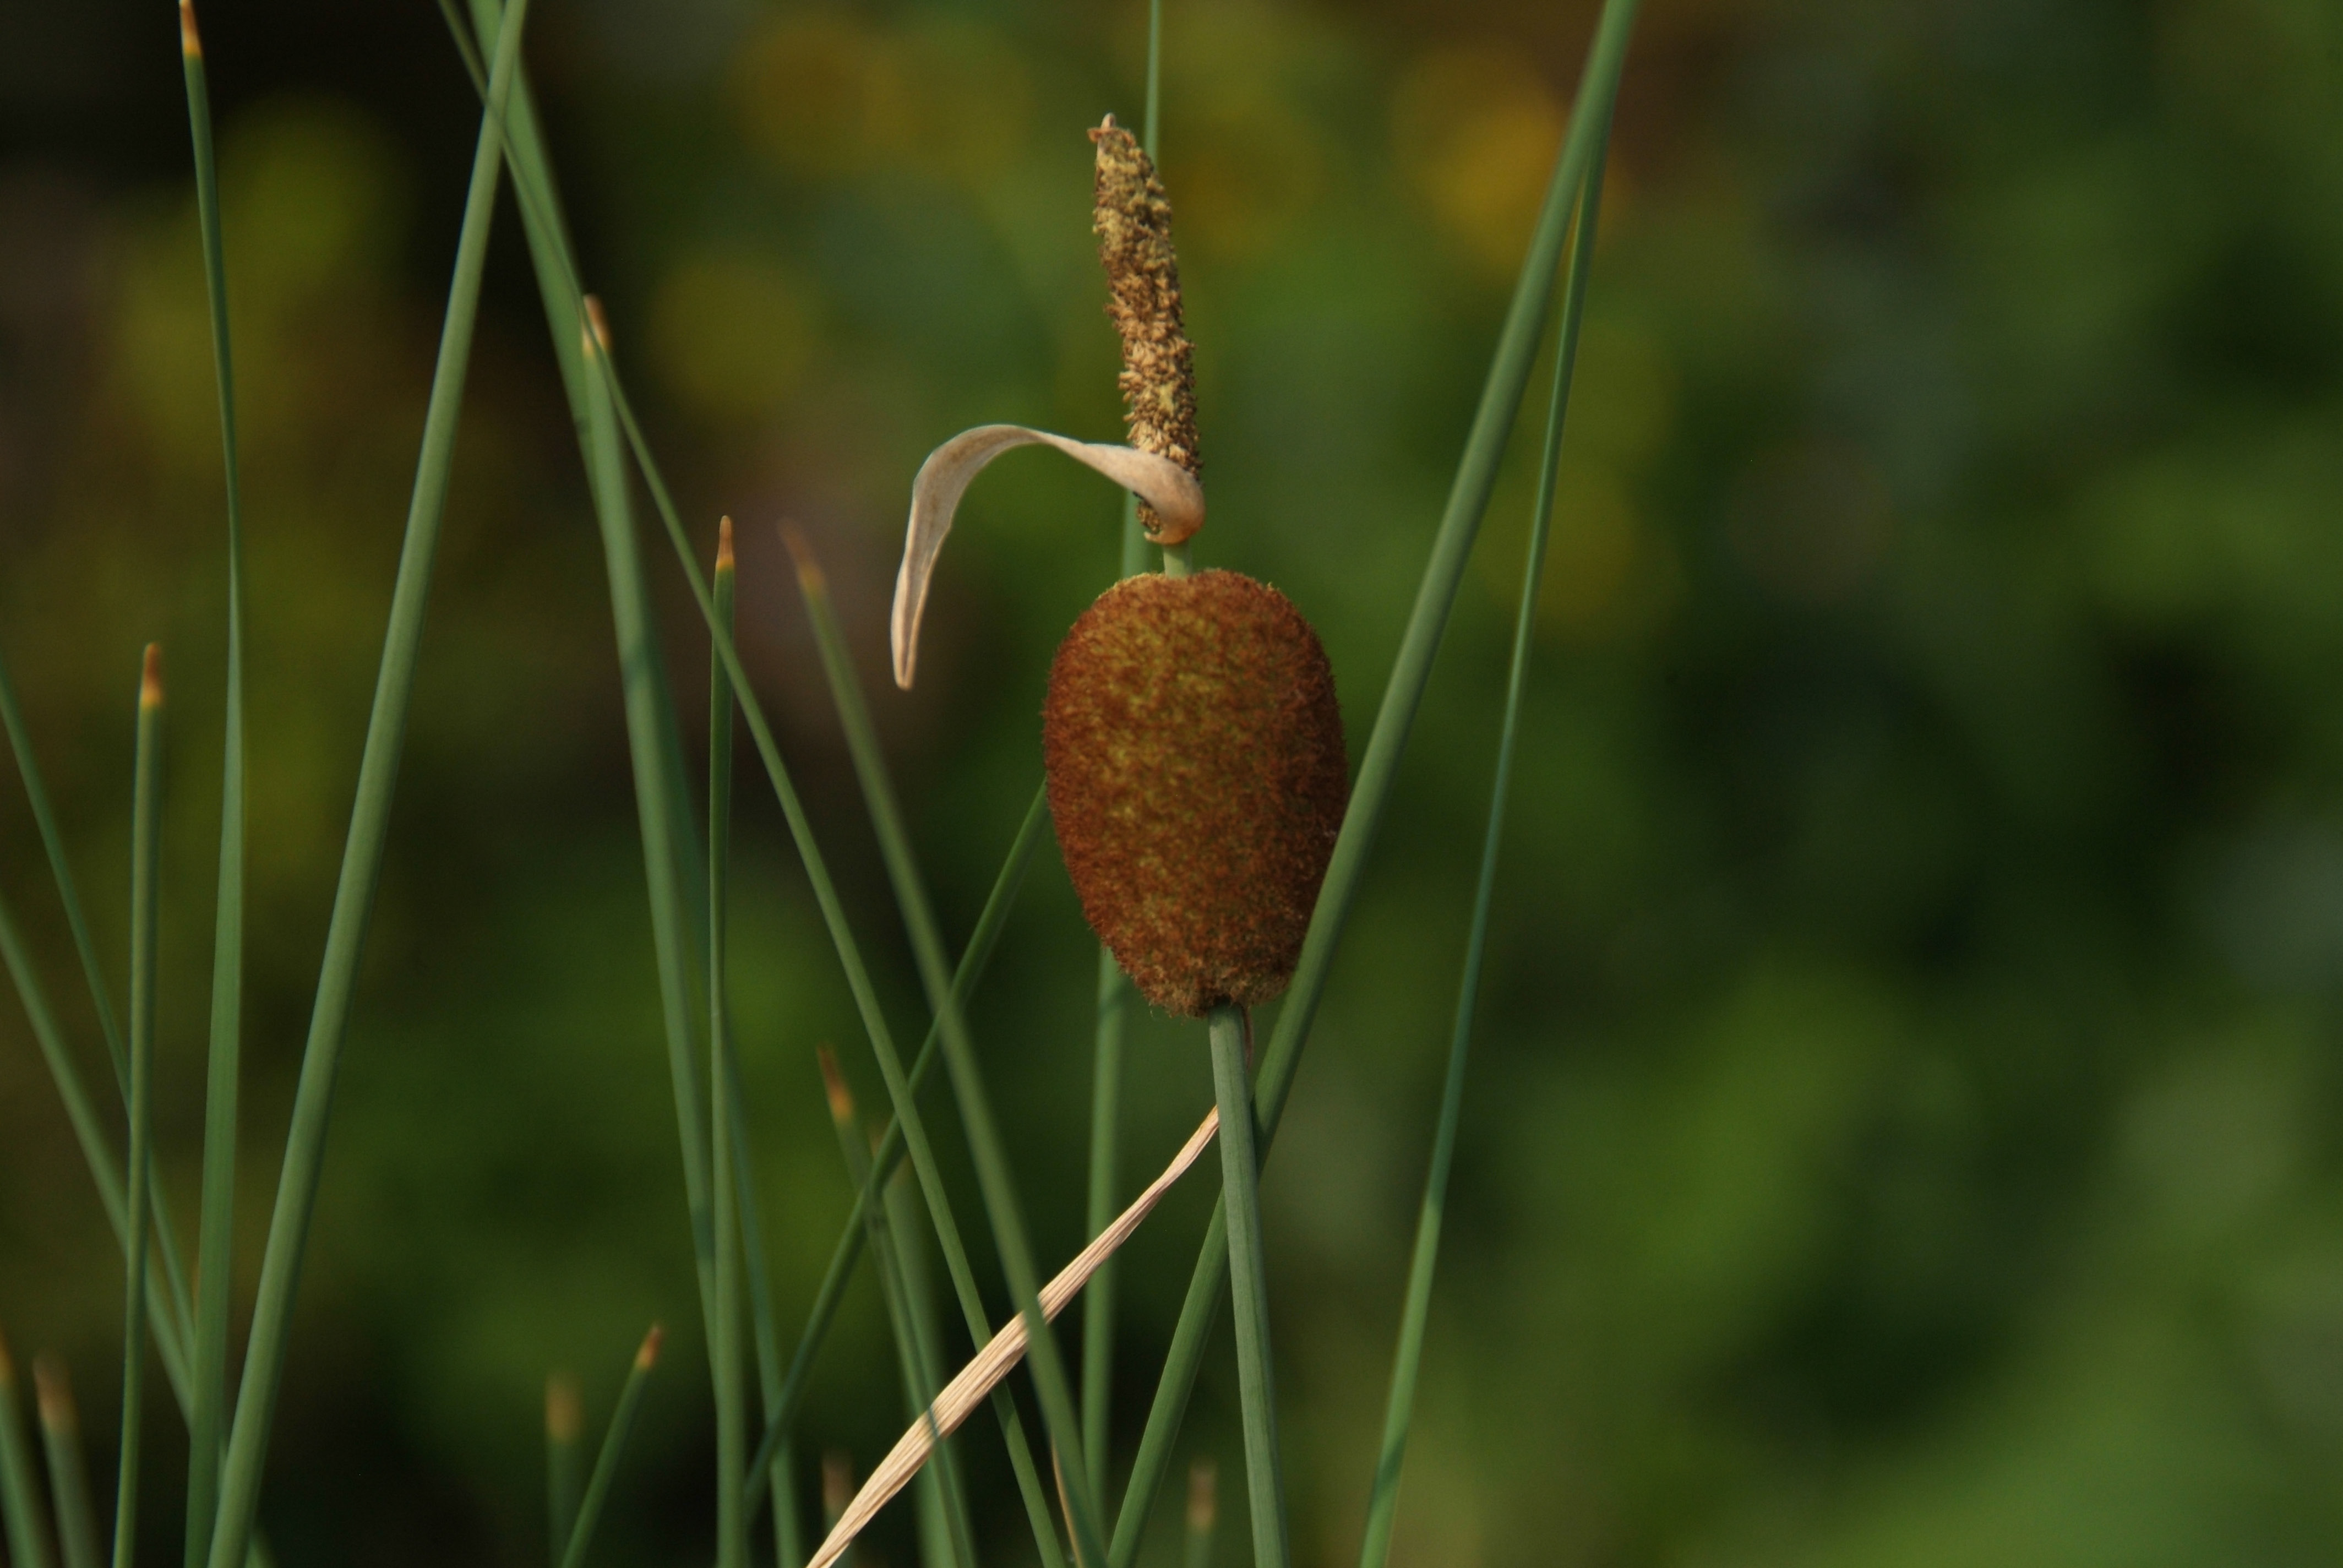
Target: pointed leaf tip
x,y
150,677
724,544
833,1083
647,1357
944,478
191,44
811,576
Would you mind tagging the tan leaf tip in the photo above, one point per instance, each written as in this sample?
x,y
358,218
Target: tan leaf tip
x,y
598,324
191,44
150,677
811,576
563,1417
647,1357
724,543
833,1084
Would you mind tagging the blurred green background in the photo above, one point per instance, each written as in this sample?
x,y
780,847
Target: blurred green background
x,y
1901,1127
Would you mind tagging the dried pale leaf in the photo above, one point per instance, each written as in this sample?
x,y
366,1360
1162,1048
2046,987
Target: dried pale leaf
x,y
963,1396
944,478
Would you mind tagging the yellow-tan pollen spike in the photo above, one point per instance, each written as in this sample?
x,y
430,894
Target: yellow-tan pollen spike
x,y
1132,219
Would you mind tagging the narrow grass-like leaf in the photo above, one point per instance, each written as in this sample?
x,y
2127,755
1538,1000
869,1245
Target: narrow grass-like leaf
x,y
171,1314
944,1533
354,892
563,1421
558,279
1383,1500
214,1230
1098,1302
674,879
22,1513
1468,500
1249,1280
994,1179
145,860
889,1154
788,1544
898,1087
614,1441
1203,1511
726,1361
89,1132
68,1476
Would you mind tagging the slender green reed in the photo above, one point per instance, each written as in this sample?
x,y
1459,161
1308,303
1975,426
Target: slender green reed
x,y
1468,499
1203,1508
557,281
889,1154
170,1314
614,1441
1249,1277
816,594
68,1477
787,1546
673,878
724,1353
1098,1296
563,1421
145,860
90,1133
994,1179
945,1536
1383,1500
22,1513
215,1227
947,1528
361,869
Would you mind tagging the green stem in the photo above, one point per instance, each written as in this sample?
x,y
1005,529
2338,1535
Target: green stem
x,y
21,1509
993,1178
145,849
945,1536
1248,1271
90,1133
787,1547
68,1477
171,1315
1383,1502
361,870
725,1358
1468,499
1098,1296
214,1239
614,1441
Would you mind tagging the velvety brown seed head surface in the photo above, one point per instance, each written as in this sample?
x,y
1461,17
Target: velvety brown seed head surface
x,y
1197,779
1133,218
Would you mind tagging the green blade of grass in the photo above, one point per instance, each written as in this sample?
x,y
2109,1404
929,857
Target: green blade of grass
x,y
1468,499
788,1545
725,1357
171,1315
558,279
104,1171
945,1537
22,1511
673,878
948,1527
288,1226
889,1154
1249,1279
146,852
1383,1500
68,1476
1098,1296
614,1441
214,1228
562,1422
994,1179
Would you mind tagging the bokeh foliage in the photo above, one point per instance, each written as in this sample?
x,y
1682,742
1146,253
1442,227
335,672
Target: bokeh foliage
x,y
1899,1131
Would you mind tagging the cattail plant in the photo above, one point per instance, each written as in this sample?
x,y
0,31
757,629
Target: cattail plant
x,y
1195,770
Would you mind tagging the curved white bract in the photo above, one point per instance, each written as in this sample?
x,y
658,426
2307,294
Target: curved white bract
x,y
943,478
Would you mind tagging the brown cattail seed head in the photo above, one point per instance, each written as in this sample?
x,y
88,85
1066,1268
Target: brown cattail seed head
x,y
1133,222
1197,779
